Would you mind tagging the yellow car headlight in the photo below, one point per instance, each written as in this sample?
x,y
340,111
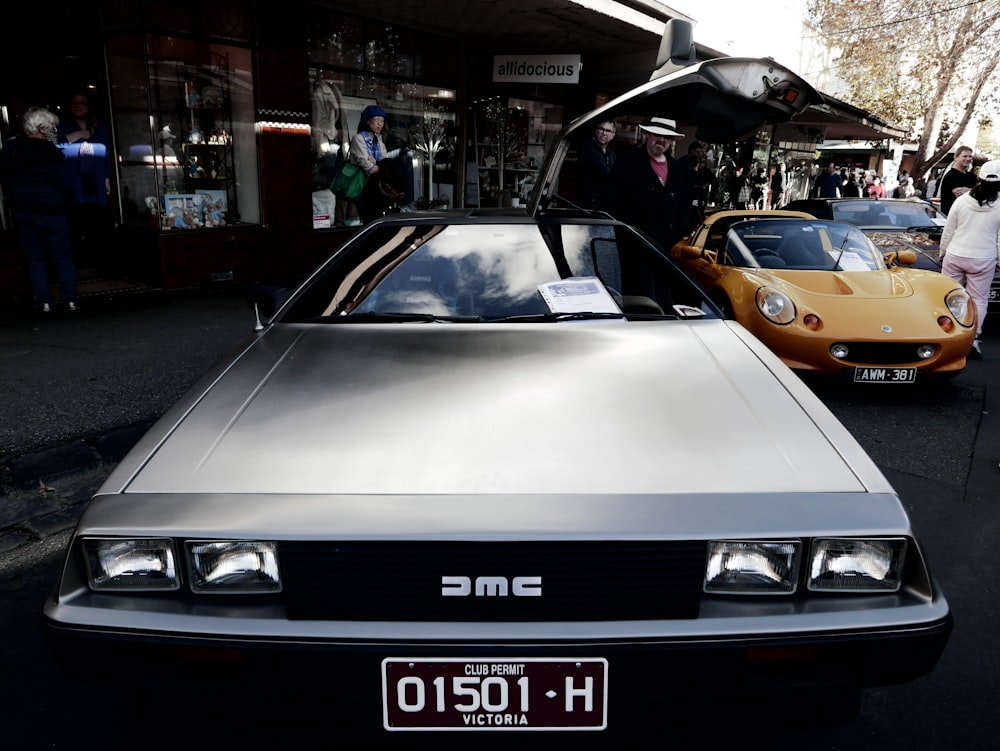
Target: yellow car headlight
x,y
961,307
775,305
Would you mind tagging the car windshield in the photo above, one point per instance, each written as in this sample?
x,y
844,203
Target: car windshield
x,y
799,244
426,270
888,214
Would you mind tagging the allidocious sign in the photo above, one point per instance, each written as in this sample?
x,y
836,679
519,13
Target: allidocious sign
x,y
536,68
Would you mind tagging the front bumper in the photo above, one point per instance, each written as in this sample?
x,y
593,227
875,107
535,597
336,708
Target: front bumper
x,y
679,677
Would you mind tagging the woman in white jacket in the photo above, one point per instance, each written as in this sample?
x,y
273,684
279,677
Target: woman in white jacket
x,y
970,244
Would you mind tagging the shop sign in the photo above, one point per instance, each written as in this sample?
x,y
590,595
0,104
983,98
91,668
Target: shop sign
x,y
536,68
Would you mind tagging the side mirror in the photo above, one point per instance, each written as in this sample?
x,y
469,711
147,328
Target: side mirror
x,y
676,48
691,253
901,258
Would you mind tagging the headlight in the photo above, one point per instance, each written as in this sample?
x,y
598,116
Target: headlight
x,y
775,306
743,567
238,567
842,565
131,565
960,305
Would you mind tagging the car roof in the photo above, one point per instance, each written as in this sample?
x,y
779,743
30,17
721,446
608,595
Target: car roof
x,y
737,215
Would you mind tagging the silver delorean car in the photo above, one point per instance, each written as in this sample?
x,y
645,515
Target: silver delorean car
x,y
506,470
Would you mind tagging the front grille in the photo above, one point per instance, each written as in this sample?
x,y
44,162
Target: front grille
x,y
581,581
883,353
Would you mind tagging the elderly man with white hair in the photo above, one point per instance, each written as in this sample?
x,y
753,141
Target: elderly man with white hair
x,y
34,175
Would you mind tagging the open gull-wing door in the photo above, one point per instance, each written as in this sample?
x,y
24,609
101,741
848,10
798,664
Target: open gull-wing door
x,y
726,99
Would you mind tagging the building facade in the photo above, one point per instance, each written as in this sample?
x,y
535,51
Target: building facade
x,y
228,121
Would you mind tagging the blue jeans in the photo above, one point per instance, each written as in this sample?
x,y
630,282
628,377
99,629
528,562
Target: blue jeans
x,y
44,237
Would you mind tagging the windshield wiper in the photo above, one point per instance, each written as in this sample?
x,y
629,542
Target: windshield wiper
x,y
843,247
557,316
395,318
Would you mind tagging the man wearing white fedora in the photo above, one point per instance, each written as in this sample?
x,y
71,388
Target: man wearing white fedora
x,y
648,188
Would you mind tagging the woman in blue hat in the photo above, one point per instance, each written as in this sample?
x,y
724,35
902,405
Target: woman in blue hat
x,y
384,187
367,147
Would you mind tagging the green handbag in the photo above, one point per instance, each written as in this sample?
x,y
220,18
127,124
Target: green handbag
x,y
349,182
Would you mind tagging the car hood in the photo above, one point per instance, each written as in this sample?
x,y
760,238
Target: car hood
x,y
574,408
874,285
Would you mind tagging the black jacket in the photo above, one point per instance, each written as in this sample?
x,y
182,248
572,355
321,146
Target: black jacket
x,y
639,199
34,174
594,177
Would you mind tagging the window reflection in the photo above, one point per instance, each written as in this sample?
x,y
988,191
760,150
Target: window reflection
x,y
487,272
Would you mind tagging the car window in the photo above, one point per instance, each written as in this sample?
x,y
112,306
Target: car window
x,y
888,214
799,244
863,213
913,214
483,272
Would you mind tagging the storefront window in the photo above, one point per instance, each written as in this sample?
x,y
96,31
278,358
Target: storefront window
x,y
509,138
341,44
420,126
359,62
389,50
185,140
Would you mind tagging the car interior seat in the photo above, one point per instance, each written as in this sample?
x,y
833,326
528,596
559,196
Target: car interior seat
x,y
803,249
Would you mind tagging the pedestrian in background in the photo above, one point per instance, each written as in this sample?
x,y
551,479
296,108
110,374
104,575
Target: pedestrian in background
x,y
739,189
778,187
874,189
33,172
647,187
691,166
368,149
595,159
852,188
970,243
758,189
905,189
958,180
85,141
829,184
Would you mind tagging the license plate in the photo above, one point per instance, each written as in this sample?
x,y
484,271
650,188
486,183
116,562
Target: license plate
x,y
494,694
994,294
885,375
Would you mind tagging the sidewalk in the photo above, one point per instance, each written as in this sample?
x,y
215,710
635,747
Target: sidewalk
x,y
80,388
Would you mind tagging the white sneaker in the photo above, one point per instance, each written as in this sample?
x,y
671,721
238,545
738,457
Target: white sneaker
x,y
46,308
977,349
71,306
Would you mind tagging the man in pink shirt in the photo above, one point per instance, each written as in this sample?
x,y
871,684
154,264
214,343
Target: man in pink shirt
x,y
648,189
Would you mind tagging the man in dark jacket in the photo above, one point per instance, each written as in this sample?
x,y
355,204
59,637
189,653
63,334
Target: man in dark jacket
x,y
648,189
596,159
33,172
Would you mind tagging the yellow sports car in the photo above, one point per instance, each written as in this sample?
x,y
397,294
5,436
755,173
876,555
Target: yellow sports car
x,y
822,297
